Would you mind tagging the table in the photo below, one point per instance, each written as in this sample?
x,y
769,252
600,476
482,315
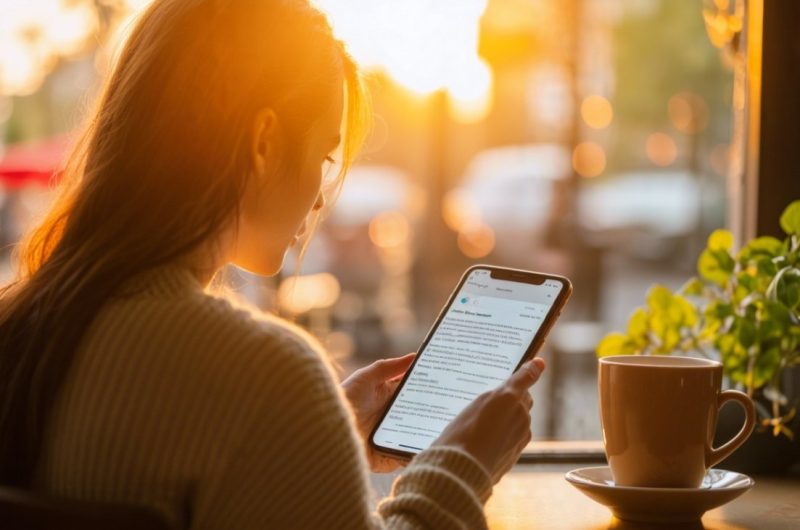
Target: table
x,y
536,496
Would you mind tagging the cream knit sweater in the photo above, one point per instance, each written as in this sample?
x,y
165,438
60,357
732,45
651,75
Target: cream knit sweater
x,y
228,419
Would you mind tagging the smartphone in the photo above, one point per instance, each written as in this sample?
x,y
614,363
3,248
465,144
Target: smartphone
x,y
495,320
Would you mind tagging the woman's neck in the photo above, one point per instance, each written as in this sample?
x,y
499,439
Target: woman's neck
x,y
205,261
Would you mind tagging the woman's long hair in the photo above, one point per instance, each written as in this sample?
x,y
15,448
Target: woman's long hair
x,y
159,170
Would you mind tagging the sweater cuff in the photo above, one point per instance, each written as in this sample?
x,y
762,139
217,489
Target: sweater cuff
x,y
461,464
444,487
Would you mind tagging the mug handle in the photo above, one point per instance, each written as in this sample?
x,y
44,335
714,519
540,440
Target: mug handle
x,y
715,456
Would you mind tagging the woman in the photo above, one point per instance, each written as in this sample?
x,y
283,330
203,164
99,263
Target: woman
x,y
123,380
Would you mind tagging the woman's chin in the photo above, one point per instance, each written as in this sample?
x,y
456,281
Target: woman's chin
x,y
262,267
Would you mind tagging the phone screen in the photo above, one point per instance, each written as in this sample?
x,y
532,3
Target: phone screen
x,y
480,340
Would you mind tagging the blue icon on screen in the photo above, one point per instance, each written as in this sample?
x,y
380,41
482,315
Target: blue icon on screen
x,y
464,300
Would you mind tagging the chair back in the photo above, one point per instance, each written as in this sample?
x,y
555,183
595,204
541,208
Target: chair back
x,y
26,510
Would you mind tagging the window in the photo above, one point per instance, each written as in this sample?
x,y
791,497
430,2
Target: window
x,y
590,138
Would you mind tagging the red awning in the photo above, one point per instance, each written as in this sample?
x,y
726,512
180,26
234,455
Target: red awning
x,y
33,163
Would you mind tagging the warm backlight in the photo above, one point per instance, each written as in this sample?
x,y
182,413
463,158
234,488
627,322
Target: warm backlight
x,y
423,45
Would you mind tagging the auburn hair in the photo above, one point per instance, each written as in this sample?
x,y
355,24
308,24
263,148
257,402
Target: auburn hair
x,y
160,169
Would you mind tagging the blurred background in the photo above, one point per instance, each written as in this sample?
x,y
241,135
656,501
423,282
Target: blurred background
x,y
588,138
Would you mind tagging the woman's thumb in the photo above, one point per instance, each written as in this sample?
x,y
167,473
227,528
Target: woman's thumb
x,y
389,368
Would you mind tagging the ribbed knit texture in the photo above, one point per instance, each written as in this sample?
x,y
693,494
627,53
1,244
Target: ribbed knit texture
x,y
229,419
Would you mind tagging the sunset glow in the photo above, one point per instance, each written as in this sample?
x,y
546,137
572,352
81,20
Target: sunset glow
x,y
424,46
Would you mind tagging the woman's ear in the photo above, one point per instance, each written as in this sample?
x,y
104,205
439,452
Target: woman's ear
x,y
264,132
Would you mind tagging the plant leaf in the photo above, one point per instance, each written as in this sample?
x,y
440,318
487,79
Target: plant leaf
x,y
745,330
790,219
766,365
789,294
766,267
720,240
637,327
672,338
715,266
778,313
719,309
687,313
693,287
766,246
615,344
777,289
659,298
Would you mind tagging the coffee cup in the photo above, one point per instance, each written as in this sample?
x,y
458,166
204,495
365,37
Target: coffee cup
x,y
659,414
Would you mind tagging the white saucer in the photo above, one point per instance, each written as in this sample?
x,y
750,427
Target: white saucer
x,y
660,505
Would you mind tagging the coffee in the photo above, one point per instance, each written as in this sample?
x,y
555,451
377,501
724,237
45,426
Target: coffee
x,y
659,414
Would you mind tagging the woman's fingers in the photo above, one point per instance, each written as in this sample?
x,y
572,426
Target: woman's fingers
x,y
391,368
524,378
495,427
527,400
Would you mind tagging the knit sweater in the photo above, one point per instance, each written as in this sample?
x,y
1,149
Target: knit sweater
x,y
227,418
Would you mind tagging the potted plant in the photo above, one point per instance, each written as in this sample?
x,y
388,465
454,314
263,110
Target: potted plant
x,y
743,309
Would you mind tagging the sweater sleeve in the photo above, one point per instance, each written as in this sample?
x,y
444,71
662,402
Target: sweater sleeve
x,y
302,466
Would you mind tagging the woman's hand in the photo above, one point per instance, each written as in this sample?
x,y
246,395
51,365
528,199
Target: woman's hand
x,y
368,390
496,427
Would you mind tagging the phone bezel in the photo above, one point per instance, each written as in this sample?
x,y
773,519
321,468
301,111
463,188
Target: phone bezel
x,y
503,273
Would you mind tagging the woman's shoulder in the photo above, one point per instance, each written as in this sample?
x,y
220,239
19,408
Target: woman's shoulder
x,y
213,329
230,315
279,361
227,312
213,354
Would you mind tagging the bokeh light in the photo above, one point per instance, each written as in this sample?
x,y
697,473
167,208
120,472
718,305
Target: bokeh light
x,y
339,345
300,294
460,211
476,242
389,229
661,149
597,112
588,159
688,112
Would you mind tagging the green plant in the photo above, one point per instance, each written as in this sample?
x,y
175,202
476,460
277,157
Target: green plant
x,y
743,309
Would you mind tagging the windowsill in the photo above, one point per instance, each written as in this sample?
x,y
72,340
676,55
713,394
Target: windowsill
x,y
545,452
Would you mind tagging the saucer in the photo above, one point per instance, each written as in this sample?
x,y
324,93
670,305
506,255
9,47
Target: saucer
x,y
660,505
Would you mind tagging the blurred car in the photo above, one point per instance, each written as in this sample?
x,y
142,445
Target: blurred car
x,y
512,189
